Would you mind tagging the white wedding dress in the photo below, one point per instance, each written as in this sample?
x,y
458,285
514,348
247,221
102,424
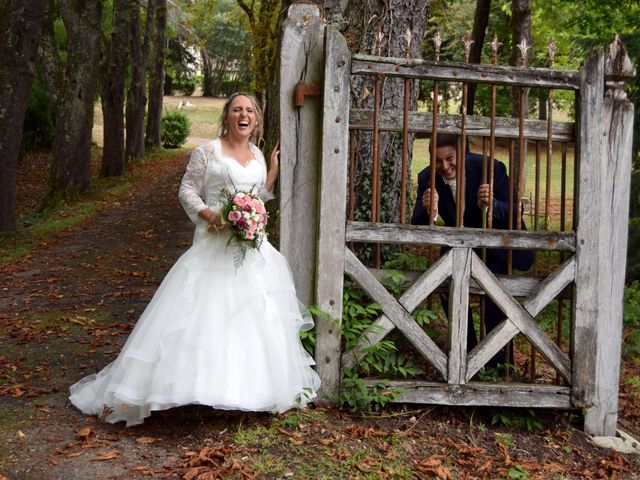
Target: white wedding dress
x,y
213,334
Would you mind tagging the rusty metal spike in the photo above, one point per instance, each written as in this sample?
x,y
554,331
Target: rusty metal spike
x,y
407,40
379,37
524,47
495,46
552,49
437,41
467,42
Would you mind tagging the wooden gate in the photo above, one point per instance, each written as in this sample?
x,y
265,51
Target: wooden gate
x,y
593,249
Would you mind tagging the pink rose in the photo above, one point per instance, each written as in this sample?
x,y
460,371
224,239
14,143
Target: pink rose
x,y
239,201
234,216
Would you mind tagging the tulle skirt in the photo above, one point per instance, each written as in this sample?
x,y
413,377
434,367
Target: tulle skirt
x,y
214,334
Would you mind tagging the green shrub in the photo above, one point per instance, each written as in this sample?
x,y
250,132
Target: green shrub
x,y
175,129
184,85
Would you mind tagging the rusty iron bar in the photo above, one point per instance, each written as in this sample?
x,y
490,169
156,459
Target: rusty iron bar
x,y
536,208
536,212
352,174
405,136
563,211
547,201
434,147
495,45
484,181
521,149
510,209
462,146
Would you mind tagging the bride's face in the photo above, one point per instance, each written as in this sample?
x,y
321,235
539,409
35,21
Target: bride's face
x,y
241,118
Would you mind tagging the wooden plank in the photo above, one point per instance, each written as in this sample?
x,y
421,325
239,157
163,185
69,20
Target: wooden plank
x,y
459,236
516,286
396,313
458,313
601,419
521,319
589,157
481,394
333,198
410,299
466,72
547,290
301,58
551,287
421,122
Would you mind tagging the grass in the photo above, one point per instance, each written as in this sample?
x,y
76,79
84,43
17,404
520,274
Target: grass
x,y
39,226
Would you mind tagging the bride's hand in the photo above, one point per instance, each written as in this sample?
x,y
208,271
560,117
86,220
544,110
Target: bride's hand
x,y
274,164
214,219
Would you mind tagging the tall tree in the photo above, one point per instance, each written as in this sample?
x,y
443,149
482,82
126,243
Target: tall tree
x,y
263,23
480,22
113,90
21,23
137,93
71,71
363,20
156,72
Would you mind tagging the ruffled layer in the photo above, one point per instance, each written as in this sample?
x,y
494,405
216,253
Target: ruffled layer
x,y
213,334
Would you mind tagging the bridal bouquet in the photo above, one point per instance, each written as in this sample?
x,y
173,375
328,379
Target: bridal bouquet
x,y
247,217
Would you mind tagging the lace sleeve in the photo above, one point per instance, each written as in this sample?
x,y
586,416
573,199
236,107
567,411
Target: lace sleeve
x,y
192,186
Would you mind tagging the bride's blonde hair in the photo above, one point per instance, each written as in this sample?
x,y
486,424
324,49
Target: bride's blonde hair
x,y
256,133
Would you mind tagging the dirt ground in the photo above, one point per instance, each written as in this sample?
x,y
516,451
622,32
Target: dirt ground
x,y
66,309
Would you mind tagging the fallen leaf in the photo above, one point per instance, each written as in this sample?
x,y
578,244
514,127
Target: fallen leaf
x,y
110,455
146,440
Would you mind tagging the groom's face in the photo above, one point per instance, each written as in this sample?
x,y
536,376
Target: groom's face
x,y
446,162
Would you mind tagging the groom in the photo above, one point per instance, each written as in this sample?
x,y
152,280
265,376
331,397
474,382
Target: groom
x,y
476,196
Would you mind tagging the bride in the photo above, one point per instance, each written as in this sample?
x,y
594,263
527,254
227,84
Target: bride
x,y
215,333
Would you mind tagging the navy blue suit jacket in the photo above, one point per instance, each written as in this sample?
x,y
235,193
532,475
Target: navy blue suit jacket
x,y
496,258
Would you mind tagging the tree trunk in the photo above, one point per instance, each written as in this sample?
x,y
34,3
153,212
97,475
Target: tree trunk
x,y
73,82
156,72
480,22
22,24
520,30
137,94
393,18
207,77
113,91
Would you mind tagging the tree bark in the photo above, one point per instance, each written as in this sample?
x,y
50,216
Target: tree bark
x,y
207,77
21,24
362,19
480,22
156,72
113,90
73,82
137,94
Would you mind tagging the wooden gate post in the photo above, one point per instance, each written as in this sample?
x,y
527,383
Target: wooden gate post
x,y
333,217
301,66
615,171
589,157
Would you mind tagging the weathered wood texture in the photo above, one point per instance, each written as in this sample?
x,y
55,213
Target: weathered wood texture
x,y
301,60
466,72
458,312
395,312
521,319
601,419
589,155
459,236
511,395
410,299
422,122
333,197
515,286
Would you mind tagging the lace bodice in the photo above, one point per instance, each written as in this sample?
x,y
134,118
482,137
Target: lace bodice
x,y
208,172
